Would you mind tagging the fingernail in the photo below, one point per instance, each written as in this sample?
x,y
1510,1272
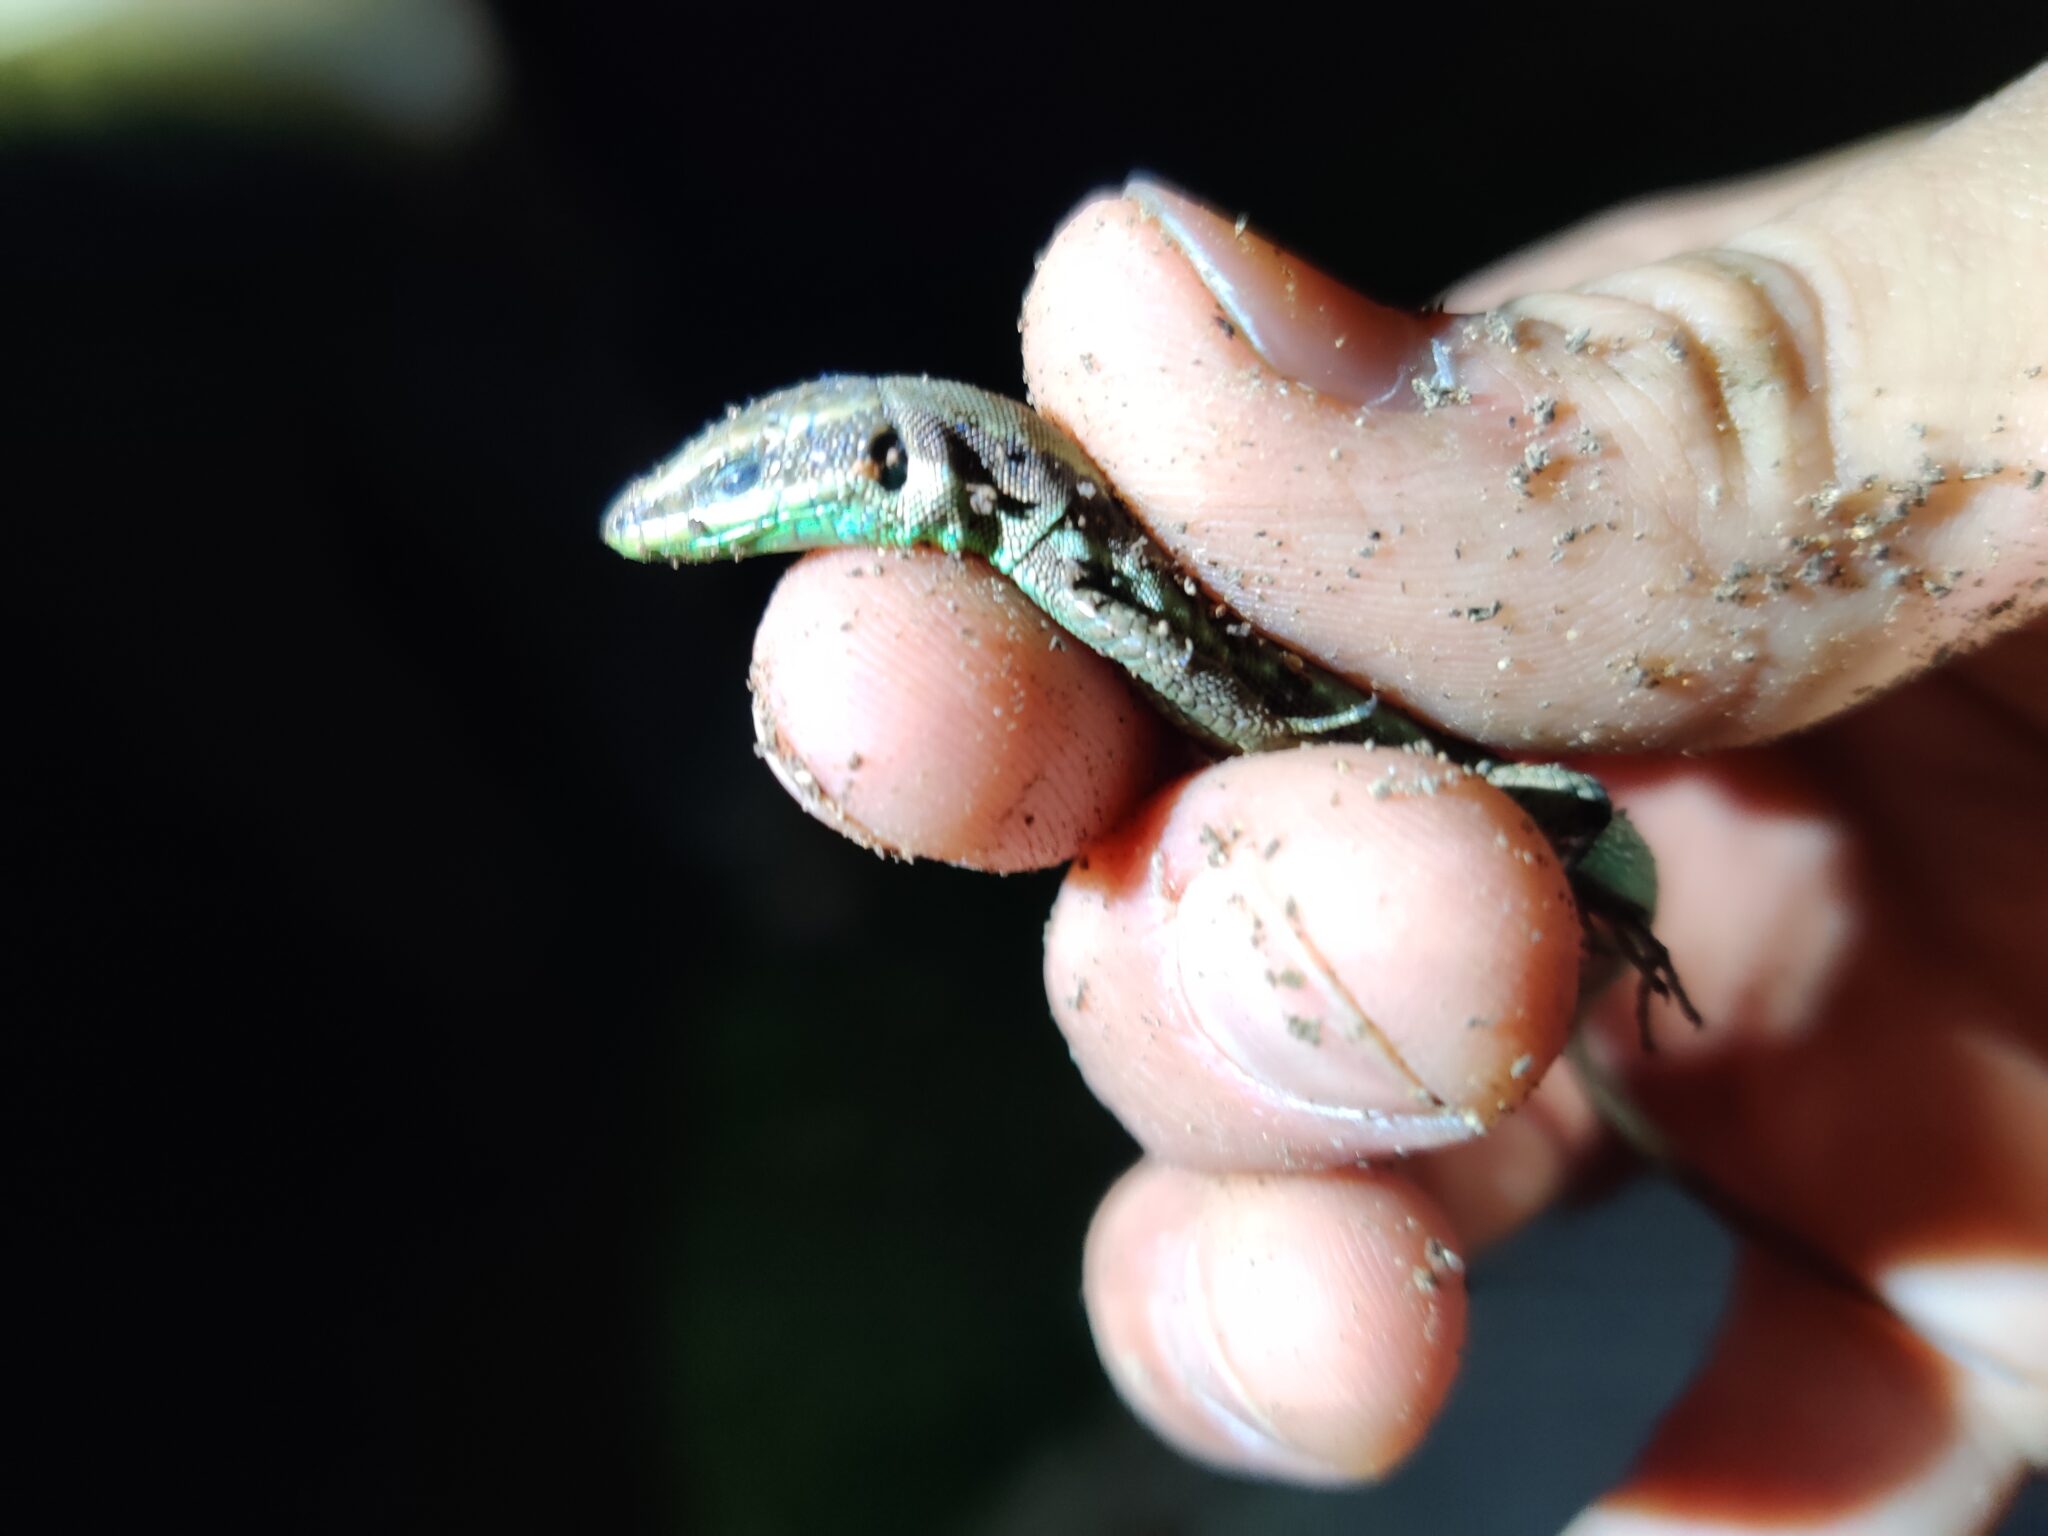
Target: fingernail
x,y
1307,326
1309,994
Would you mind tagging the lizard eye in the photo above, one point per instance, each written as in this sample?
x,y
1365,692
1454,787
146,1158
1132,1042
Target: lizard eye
x,y
737,478
892,464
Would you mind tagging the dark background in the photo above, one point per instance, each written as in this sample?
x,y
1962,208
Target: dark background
x,y
456,1089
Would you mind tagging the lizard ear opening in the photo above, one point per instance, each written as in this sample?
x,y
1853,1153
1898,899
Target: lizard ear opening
x,y
891,464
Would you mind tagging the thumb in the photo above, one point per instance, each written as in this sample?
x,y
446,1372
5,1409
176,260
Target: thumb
x,y
1699,502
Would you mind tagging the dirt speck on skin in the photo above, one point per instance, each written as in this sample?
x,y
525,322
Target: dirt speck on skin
x,y
1639,674
1435,396
1441,1258
1307,1031
1822,501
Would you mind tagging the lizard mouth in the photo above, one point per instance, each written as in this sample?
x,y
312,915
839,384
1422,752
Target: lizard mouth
x,y
645,526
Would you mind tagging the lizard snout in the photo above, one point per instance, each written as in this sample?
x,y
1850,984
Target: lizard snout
x,y
624,525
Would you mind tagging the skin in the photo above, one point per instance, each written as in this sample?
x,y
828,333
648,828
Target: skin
x,y
1852,849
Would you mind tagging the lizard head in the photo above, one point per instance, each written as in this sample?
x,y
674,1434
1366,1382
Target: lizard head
x,y
802,468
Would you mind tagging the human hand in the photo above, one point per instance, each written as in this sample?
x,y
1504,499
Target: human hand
x,y
1791,486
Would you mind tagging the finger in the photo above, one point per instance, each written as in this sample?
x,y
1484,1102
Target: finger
x,y
1654,228
1872,1085
921,706
1305,1328
1309,958
1820,1411
1701,502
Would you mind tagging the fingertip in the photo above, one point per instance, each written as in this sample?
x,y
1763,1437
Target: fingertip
x,y
921,706
1312,957
1299,1328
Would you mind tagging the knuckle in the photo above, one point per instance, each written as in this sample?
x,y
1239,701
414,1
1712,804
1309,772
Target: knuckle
x,y
1715,360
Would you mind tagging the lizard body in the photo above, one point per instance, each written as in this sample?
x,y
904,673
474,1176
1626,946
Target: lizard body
x,y
902,462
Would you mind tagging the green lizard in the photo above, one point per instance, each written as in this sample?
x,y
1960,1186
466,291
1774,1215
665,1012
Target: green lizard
x,y
900,462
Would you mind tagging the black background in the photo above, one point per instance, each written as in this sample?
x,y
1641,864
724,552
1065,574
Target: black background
x,y
457,1090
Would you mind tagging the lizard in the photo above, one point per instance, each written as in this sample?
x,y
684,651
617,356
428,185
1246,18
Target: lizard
x,y
914,462
900,462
